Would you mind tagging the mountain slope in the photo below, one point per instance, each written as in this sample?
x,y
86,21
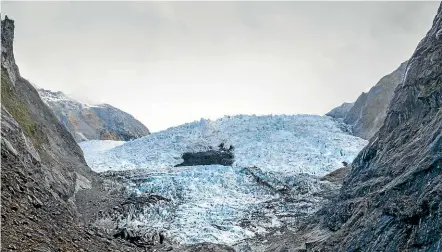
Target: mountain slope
x,y
341,111
84,122
43,171
392,198
368,112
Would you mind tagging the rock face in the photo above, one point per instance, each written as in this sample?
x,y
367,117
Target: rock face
x,y
211,157
43,170
368,112
98,122
341,111
392,198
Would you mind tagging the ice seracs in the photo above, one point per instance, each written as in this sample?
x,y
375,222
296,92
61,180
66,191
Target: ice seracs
x,y
270,183
284,143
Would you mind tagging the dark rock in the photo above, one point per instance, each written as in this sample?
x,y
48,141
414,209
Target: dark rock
x,y
341,111
202,247
143,200
368,112
131,237
161,234
210,157
37,203
337,176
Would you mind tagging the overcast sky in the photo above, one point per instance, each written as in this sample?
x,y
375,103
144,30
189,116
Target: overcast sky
x,y
168,63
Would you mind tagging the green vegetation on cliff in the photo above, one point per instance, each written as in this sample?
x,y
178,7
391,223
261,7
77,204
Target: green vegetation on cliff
x,y
19,109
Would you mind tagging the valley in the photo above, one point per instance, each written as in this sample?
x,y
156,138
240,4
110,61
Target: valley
x,y
364,177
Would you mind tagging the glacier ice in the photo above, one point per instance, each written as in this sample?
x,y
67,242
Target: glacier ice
x,y
274,156
290,144
94,147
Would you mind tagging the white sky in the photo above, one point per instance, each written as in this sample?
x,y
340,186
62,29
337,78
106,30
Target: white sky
x,y
168,63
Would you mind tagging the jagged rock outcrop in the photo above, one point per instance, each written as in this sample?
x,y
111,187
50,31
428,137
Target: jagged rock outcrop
x,y
368,112
43,171
222,156
392,198
210,157
341,111
8,60
98,122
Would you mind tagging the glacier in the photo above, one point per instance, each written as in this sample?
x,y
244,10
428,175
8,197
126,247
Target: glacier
x,y
290,144
273,180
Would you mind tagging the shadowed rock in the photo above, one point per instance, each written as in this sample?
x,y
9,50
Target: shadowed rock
x,y
368,112
211,157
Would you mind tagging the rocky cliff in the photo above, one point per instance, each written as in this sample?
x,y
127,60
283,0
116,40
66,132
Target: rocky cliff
x,y
98,122
368,112
392,198
50,199
43,171
341,111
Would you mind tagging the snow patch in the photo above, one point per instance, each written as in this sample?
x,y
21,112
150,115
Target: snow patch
x,y
94,147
